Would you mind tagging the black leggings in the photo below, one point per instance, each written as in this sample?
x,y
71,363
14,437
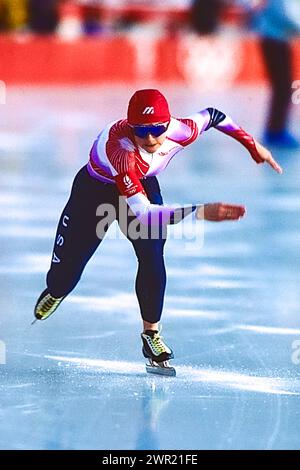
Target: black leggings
x,y
278,60
76,241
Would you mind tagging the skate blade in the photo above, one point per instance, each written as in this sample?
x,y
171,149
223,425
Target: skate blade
x,y
160,369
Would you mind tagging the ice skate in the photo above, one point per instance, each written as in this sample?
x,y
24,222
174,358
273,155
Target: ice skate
x,y
46,305
157,353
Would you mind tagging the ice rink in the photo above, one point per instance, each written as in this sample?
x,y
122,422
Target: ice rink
x,y
232,316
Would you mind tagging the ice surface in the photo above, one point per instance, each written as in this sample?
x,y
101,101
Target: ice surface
x,y
78,380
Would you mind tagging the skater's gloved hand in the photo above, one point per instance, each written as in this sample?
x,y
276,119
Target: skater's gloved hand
x,y
266,156
220,211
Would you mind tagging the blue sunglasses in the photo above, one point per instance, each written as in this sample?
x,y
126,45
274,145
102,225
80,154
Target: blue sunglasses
x,y
155,129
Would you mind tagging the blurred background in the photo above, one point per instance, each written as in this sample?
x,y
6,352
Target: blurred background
x,y
205,44
77,381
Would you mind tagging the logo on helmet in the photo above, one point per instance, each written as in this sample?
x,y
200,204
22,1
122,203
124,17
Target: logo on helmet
x,y
148,110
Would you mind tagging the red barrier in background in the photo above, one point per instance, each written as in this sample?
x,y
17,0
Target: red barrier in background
x,y
50,60
40,60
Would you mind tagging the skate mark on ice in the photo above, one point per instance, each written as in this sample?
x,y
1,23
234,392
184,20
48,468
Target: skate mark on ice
x,y
272,330
219,378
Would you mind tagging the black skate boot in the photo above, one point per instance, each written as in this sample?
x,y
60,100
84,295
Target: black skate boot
x,y
46,305
158,353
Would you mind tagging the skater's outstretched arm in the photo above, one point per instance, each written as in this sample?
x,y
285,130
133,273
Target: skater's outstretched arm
x,y
266,156
131,187
212,117
220,211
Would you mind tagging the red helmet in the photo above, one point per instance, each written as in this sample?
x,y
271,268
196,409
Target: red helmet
x,y
148,107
